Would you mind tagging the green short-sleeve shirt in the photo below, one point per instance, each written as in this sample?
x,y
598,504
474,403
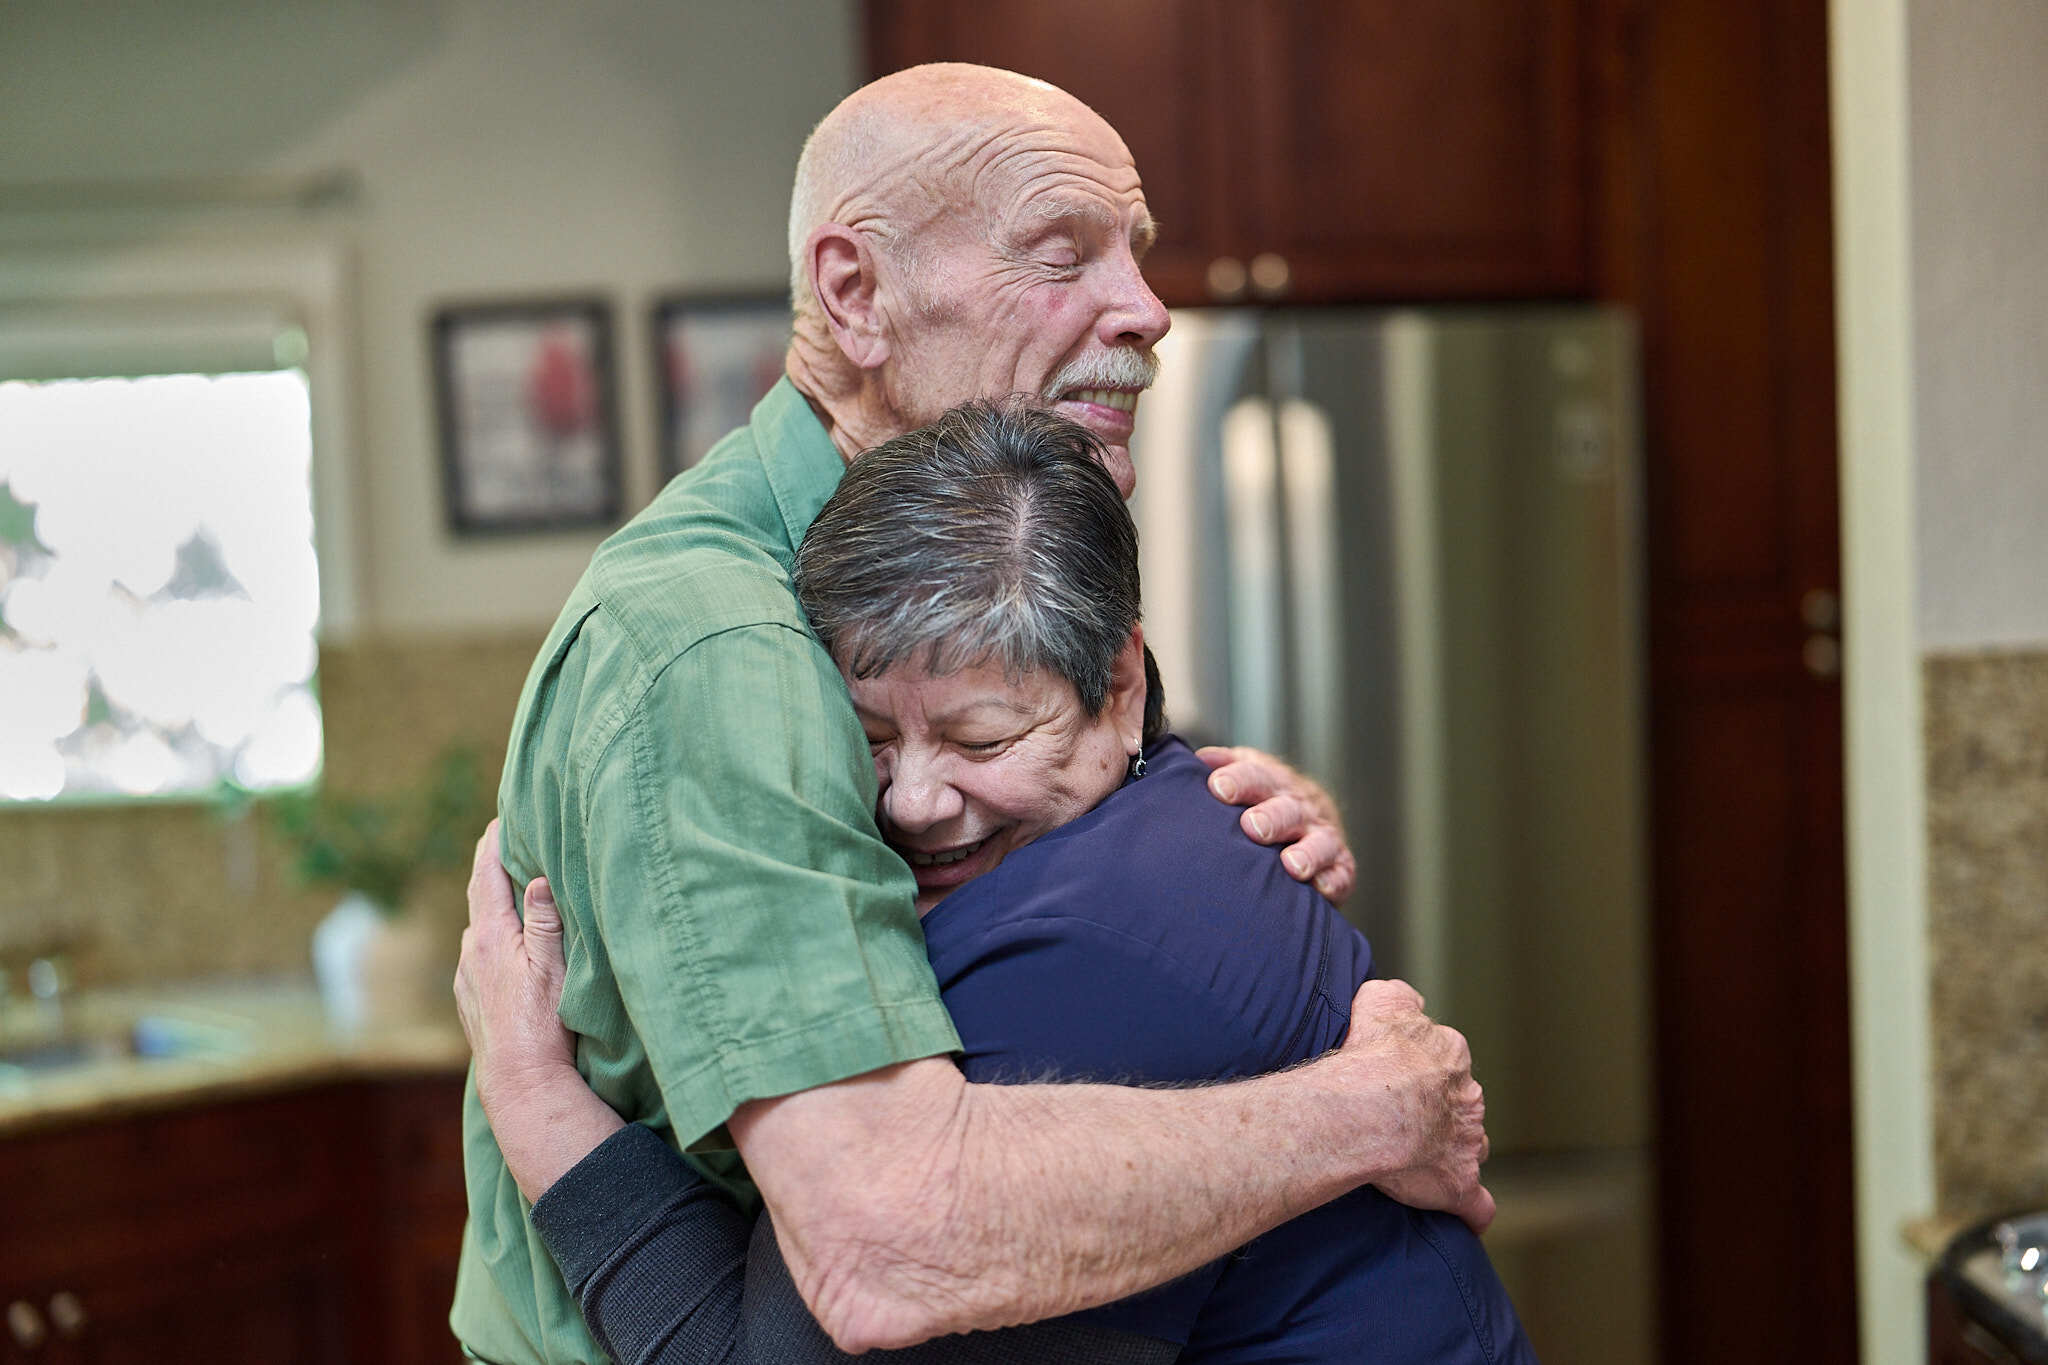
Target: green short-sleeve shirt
x,y
686,768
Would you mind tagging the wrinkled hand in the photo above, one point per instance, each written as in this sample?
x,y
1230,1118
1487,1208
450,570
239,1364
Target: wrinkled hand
x,y
508,985
1433,1113
1289,809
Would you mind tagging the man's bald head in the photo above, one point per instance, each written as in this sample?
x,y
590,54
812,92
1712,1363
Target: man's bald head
x,y
961,232
906,150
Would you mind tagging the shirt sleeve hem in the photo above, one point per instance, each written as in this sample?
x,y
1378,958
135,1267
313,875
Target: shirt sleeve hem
x,y
833,1049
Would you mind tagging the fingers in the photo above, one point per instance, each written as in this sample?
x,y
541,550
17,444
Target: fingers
x,y
1285,809
544,937
1337,881
1278,819
1315,850
543,916
1243,777
490,889
1381,1009
1443,1142
1478,1210
466,1009
1379,998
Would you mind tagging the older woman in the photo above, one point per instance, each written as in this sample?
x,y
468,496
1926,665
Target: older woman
x,y
1090,912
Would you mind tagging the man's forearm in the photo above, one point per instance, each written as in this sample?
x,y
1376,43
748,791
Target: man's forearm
x,y
958,1206
1069,1196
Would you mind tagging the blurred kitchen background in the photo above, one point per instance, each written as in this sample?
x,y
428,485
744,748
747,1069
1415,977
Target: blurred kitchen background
x,y
1758,899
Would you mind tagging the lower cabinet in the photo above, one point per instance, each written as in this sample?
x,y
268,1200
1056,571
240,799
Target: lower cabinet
x,y
225,1303
319,1227
418,1218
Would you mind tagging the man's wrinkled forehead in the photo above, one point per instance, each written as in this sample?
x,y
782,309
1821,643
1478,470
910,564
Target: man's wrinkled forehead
x,y
1014,198
1001,160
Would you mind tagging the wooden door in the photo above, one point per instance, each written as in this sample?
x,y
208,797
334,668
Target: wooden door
x,y
1716,230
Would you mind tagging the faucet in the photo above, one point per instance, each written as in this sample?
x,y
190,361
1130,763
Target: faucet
x,y
49,981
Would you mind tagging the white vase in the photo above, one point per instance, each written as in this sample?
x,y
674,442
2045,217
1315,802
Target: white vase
x,y
375,970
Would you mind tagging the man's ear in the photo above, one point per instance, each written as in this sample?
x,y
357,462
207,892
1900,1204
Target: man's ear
x,y
1127,691
842,274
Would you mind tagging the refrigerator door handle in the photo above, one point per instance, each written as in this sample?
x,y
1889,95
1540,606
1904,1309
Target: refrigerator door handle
x,y
1308,482
1251,482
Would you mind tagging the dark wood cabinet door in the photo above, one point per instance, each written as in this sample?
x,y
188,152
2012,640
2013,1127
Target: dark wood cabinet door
x,y
419,1214
1361,149
220,1233
248,1303
1147,66
321,1226
1402,151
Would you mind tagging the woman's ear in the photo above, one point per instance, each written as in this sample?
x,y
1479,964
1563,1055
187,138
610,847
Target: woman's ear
x,y
841,268
1127,691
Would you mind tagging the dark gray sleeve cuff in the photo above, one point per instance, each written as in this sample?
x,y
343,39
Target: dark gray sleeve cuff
x,y
605,1199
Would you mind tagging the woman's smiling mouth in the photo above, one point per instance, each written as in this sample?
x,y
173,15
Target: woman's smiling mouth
x,y
943,856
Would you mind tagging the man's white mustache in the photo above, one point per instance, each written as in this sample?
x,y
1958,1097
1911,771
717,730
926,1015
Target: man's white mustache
x,y
1124,368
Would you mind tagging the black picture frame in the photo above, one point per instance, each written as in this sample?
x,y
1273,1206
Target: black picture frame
x,y
715,355
527,396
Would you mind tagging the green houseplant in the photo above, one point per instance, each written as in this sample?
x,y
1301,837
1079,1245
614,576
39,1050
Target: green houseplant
x,y
380,846
375,965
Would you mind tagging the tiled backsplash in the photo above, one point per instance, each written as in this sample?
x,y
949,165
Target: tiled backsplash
x,y
170,892
1987,816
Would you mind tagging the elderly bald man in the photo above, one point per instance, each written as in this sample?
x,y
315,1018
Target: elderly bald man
x,y
743,951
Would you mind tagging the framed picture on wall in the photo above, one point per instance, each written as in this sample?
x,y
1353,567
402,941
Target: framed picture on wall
x,y
528,415
715,355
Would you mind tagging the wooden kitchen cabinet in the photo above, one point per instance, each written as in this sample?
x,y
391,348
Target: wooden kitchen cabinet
x,y
319,1226
238,1301
415,1238
1349,151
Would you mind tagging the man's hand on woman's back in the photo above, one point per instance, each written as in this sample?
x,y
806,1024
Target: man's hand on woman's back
x,y
1433,1112
1288,810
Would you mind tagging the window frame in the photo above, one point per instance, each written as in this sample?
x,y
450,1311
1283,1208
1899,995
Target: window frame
x,y
306,278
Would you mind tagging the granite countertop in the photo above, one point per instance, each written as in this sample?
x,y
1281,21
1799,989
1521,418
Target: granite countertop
x,y
220,1039
1930,1236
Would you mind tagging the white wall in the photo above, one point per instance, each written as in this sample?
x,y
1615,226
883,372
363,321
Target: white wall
x,y
1940,118
1886,821
504,148
1978,81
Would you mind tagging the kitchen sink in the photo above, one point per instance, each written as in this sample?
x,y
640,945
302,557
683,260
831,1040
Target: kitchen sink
x,y
57,1053
1998,1275
146,1037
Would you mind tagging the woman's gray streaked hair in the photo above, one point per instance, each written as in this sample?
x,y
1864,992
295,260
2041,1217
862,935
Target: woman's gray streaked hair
x,y
992,535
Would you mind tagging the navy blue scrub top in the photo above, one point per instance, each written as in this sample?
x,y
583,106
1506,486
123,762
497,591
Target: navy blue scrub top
x,y
1152,942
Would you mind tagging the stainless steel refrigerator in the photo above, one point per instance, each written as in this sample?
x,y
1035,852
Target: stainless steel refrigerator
x,y
1403,549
